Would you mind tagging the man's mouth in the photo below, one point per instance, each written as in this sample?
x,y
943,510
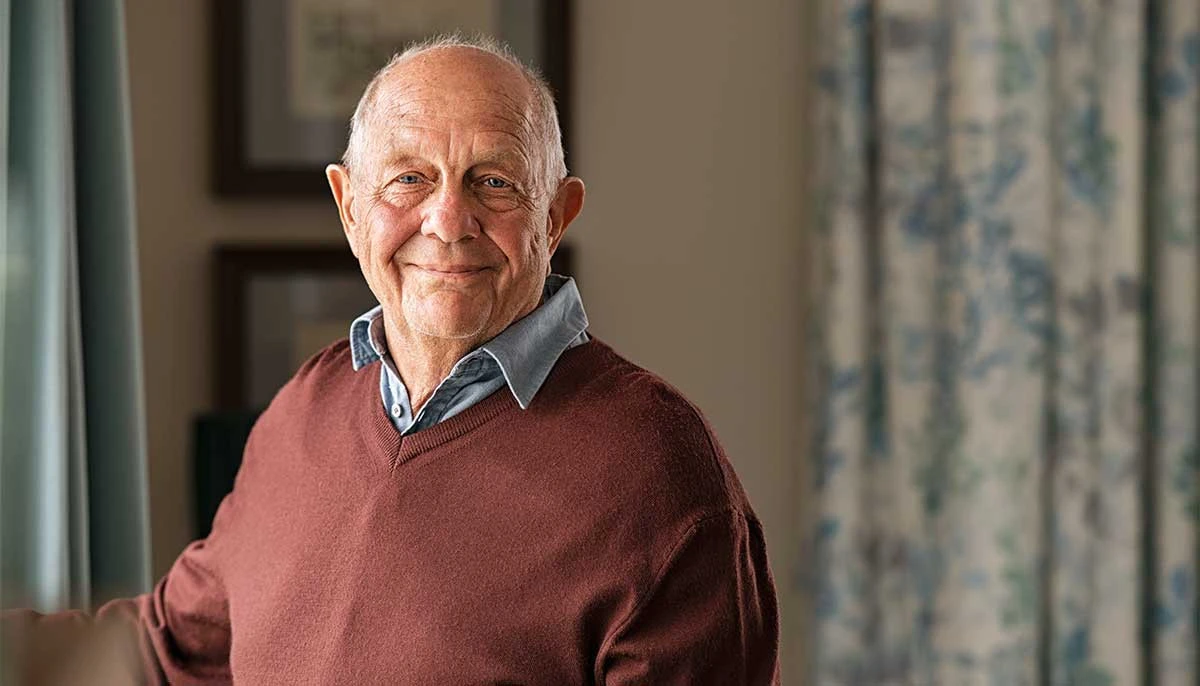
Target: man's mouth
x,y
451,270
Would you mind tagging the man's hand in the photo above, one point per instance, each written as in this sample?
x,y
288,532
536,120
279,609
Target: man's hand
x,y
68,651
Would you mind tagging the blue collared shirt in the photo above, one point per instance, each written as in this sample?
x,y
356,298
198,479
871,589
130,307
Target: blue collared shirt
x,y
521,356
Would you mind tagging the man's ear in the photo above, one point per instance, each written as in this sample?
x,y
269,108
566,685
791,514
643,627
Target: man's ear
x,y
567,203
343,196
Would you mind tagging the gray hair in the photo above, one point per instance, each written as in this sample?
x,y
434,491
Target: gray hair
x,y
545,117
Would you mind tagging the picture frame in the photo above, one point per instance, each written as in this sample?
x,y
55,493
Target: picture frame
x,y
276,305
286,75
273,306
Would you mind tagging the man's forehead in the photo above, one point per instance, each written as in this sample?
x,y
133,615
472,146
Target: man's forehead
x,y
439,101
433,106
456,80
494,110
415,123
411,137
417,138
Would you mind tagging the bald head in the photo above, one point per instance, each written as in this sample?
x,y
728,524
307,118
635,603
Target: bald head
x,y
448,68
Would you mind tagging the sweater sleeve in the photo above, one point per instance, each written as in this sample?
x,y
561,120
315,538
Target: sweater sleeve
x,y
710,617
178,633
183,624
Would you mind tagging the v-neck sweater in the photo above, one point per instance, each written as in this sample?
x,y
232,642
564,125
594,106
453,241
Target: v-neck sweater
x,y
599,536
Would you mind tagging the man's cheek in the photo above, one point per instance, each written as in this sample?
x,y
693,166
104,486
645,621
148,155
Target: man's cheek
x,y
393,227
387,243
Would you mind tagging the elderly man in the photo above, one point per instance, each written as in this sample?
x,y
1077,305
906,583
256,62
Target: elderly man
x,y
471,489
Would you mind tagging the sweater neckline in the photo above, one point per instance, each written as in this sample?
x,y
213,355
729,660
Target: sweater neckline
x,y
392,449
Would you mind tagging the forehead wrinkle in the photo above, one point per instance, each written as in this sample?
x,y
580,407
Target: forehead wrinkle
x,y
414,112
484,147
409,100
407,89
409,125
420,137
516,156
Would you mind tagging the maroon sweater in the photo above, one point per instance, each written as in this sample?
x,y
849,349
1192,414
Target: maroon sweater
x,y
600,536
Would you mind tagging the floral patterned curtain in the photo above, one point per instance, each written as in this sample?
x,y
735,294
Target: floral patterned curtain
x,y
1005,343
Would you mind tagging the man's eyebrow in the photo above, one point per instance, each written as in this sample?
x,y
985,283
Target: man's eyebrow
x,y
398,158
500,157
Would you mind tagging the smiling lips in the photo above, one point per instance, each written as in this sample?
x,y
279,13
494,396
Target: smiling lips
x,y
451,270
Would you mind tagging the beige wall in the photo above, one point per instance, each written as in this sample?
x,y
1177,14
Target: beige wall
x,y
688,117
690,248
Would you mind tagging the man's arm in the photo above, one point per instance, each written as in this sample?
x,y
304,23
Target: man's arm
x,y
176,634
710,617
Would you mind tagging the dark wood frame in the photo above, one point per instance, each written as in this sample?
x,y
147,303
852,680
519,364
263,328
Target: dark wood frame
x,y
233,268
233,176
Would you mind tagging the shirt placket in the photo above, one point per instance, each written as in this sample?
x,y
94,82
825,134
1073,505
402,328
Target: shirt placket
x,y
463,374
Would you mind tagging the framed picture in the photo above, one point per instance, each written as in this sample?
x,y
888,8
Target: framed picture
x,y
288,73
275,306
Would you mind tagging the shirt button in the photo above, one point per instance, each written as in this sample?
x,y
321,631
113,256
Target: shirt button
x,y
397,410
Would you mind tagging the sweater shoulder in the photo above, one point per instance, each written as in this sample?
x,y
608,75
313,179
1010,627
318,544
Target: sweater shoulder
x,y
335,356
662,447
324,385
319,374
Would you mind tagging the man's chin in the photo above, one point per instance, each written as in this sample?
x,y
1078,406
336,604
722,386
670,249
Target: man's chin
x,y
450,323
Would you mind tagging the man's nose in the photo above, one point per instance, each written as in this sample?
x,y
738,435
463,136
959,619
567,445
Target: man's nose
x,y
450,217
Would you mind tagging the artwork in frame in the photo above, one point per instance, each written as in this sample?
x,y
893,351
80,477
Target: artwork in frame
x,y
288,73
275,306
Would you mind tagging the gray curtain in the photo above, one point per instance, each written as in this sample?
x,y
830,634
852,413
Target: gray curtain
x,y
73,505
1007,343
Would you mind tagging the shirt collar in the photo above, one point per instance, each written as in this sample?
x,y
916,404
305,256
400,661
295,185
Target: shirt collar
x,y
528,349
525,352
363,350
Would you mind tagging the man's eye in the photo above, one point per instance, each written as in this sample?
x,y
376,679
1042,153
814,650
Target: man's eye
x,y
494,182
408,179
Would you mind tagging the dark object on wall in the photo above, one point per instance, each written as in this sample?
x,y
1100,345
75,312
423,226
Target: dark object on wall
x,y
218,440
287,74
274,306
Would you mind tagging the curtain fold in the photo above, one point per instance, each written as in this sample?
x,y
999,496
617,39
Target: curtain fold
x,y
1172,330
73,524
118,516
1005,343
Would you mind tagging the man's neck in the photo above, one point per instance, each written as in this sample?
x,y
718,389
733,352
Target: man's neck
x,y
424,361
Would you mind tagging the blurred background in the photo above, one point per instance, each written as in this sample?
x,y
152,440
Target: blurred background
x,y
929,267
